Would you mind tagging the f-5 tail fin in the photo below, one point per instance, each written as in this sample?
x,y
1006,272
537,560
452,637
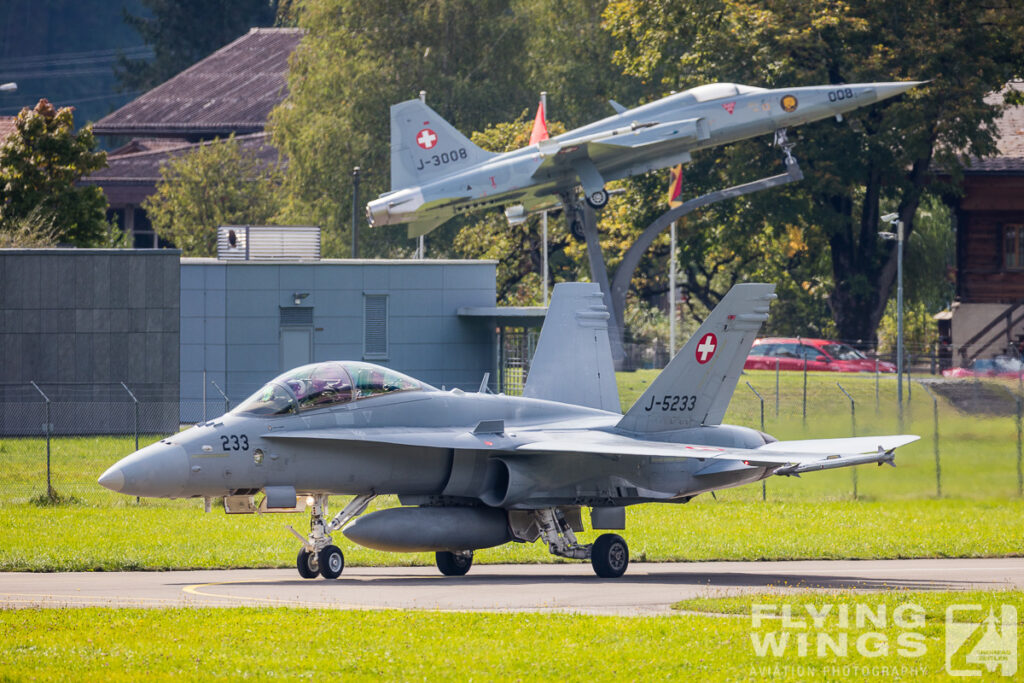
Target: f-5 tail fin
x,y
697,385
425,147
573,360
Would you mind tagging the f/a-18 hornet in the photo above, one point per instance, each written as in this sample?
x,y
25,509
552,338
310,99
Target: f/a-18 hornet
x,y
437,173
477,470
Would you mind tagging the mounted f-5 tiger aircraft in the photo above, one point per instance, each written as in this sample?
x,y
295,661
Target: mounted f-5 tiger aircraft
x,y
437,173
477,470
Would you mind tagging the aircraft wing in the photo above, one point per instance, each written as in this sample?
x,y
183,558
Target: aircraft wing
x,y
802,456
608,148
786,457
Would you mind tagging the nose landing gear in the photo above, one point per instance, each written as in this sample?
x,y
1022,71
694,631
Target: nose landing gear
x,y
319,556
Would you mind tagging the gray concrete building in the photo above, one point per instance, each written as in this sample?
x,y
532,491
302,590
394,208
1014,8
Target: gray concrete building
x,y
244,322
78,323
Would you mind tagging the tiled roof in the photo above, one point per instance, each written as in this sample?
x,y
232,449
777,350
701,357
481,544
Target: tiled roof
x,y
232,90
148,145
144,167
1010,127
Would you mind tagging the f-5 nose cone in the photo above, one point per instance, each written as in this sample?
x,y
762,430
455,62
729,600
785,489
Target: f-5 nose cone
x,y
112,479
884,91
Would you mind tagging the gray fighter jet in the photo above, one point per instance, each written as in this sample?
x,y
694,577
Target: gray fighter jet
x,y
437,173
477,470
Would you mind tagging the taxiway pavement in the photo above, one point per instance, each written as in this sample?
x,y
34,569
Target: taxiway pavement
x,y
647,588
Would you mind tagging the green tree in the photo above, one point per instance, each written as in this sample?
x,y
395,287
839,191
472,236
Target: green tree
x,y
480,62
216,184
182,32
883,159
359,58
40,162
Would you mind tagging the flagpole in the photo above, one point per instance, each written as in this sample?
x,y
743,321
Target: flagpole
x,y
544,219
672,292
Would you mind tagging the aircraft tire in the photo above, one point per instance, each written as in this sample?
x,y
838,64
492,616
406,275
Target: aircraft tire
x,y
609,556
576,228
332,562
598,200
308,564
451,564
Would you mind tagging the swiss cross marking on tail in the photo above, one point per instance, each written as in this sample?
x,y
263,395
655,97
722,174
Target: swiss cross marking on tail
x,y
706,348
426,138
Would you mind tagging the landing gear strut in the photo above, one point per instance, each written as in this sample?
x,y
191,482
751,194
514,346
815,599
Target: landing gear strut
x,y
319,555
609,555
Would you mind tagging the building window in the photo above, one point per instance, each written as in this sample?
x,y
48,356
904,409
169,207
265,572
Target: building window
x,y
1013,247
375,326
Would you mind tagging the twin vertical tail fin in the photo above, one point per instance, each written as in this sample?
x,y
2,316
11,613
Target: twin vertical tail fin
x,y
425,147
573,360
697,385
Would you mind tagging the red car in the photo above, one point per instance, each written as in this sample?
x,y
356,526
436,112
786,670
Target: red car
x,y
819,355
1000,366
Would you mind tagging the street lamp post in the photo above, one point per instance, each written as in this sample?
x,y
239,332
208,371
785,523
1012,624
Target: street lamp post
x,y
355,212
891,218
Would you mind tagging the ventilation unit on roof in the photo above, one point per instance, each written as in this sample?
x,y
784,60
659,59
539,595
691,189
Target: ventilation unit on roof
x,y
268,243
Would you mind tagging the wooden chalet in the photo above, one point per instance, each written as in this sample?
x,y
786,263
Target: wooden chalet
x,y
230,92
988,315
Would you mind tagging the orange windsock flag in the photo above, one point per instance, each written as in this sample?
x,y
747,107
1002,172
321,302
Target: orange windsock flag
x,y
540,126
675,186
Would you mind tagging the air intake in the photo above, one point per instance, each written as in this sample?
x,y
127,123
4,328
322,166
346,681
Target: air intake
x,y
268,243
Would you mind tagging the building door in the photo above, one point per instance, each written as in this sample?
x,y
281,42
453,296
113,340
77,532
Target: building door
x,y
296,347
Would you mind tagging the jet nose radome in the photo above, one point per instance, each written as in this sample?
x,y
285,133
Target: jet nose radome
x,y
884,91
159,470
113,479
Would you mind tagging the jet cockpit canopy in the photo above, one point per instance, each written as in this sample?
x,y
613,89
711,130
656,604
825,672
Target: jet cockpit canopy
x,y
320,385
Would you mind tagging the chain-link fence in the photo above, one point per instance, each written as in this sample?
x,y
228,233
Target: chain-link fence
x,y
57,438
55,443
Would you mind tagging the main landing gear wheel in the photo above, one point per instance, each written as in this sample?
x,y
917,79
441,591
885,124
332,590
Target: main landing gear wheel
x,y
576,228
598,200
453,564
331,561
308,564
609,556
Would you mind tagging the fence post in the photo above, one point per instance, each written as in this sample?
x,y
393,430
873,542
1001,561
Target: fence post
x,y
853,432
776,388
878,405
935,438
136,402
804,413
910,392
48,427
1020,472
764,489
227,401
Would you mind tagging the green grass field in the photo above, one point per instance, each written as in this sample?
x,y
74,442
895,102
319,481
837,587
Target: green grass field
x,y
897,513
204,644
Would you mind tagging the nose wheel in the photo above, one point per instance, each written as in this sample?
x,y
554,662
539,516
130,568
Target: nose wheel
x,y
308,564
331,561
